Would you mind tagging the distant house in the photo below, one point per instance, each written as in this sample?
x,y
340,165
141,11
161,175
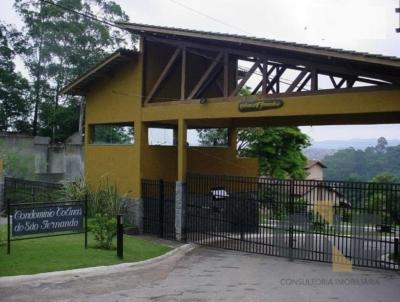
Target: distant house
x,y
315,170
320,192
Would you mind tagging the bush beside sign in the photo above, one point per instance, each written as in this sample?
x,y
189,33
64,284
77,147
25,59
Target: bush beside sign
x,y
47,219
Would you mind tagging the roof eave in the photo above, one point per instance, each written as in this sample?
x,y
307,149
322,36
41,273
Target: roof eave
x,y
306,49
74,88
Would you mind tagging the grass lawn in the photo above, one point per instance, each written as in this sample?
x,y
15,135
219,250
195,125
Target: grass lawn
x,y
68,252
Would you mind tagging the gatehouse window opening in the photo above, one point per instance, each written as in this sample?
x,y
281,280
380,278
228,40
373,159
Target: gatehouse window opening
x,y
158,136
112,134
208,137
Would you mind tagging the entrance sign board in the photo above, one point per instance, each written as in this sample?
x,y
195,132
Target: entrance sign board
x,y
260,105
47,219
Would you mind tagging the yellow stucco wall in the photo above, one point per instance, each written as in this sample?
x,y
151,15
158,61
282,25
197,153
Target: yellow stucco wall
x,y
220,161
113,100
161,162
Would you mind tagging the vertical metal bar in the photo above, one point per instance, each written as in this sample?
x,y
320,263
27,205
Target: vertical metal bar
x,y
8,228
291,207
120,237
86,221
161,208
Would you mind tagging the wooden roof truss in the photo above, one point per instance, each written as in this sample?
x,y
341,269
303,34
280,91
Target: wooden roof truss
x,y
270,68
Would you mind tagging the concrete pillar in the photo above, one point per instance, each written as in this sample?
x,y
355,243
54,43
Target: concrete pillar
x,y
134,213
180,207
180,187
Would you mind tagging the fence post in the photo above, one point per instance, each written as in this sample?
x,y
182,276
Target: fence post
x,y
2,187
180,206
396,249
86,221
120,236
8,227
291,212
161,207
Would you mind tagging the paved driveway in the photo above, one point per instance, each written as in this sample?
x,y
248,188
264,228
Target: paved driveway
x,y
218,275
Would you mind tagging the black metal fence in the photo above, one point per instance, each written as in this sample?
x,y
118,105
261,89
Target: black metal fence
x,y
303,219
159,208
27,191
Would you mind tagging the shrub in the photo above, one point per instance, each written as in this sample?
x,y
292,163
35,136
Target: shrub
x,y
103,206
76,190
103,227
105,200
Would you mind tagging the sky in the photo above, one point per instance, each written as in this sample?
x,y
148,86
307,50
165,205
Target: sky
x,y
362,25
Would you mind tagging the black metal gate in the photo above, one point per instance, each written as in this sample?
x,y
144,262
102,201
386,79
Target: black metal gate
x,y
302,219
159,208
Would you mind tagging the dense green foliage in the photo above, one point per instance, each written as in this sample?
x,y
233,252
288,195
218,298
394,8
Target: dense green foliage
x,y
14,103
364,165
56,46
112,134
213,137
278,149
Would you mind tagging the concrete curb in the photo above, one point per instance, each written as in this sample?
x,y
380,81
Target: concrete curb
x,y
97,270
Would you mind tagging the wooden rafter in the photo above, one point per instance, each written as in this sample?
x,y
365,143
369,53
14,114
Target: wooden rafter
x,y
289,62
205,76
222,58
265,80
297,81
304,83
219,86
226,75
163,74
276,78
183,73
314,79
246,78
350,82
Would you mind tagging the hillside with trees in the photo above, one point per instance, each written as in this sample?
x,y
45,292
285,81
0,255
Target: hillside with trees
x,y
373,163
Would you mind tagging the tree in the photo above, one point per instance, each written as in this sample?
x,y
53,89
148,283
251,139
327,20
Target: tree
x,y
385,177
14,103
278,149
213,137
381,145
61,45
384,200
